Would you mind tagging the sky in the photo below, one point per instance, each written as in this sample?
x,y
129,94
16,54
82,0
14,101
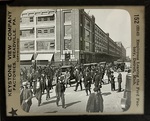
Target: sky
x,y
116,22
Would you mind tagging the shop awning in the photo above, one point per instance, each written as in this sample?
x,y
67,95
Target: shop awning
x,y
44,57
26,28
25,57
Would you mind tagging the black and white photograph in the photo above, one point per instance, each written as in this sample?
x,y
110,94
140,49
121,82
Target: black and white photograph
x,y
75,61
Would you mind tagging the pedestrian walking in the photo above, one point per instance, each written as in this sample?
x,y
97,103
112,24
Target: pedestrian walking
x,y
38,92
79,81
26,96
47,86
108,75
60,90
119,80
87,82
50,74
42,80
97,81
95,102
112,81
67,78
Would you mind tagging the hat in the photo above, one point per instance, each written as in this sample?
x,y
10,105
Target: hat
x,y
62,77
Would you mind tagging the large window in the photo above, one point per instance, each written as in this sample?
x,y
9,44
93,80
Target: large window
x,y
29,33
67,16
87,23
31,19
87,46
45,45
87,35
46,32
67,44
46,18
26,45
67,30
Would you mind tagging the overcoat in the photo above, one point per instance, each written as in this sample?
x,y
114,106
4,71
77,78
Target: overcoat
x,y
38,92
87,81
26,94
95,103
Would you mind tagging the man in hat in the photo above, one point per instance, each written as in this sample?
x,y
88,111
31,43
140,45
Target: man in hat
x,y
112,81
97,80
26,96
60,89
38,92
79,80
87,82
119,80
95,102
67,78
47,86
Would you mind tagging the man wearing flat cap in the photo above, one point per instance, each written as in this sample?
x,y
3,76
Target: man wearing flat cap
x,y
60,89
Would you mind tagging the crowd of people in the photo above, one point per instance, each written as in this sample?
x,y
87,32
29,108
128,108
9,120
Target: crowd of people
x,y
34,82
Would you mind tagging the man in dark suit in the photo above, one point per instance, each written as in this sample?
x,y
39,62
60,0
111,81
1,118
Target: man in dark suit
x,y
119,80
47,87
79,80
112,81
60,89
97,80
38,92
87,82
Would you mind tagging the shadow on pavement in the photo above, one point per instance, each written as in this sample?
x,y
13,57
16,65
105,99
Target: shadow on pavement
x,y
70,104
122,90
53,97
52,101
106,93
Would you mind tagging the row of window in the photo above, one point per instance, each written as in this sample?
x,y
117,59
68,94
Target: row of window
x,y
112,48
47,31
67,17
98,31
87,23
41,45
87,35
100,36
50,45
101,43
38,19
40,32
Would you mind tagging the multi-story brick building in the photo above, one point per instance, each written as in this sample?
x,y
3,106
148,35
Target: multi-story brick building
x,y
122,51
48,35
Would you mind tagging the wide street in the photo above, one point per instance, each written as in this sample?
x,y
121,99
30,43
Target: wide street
x,y
76,101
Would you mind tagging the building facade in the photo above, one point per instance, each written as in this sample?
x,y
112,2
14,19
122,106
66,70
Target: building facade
x,y
122,50
64,36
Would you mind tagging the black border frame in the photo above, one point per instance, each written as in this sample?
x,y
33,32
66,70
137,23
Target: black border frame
x,y
146,3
